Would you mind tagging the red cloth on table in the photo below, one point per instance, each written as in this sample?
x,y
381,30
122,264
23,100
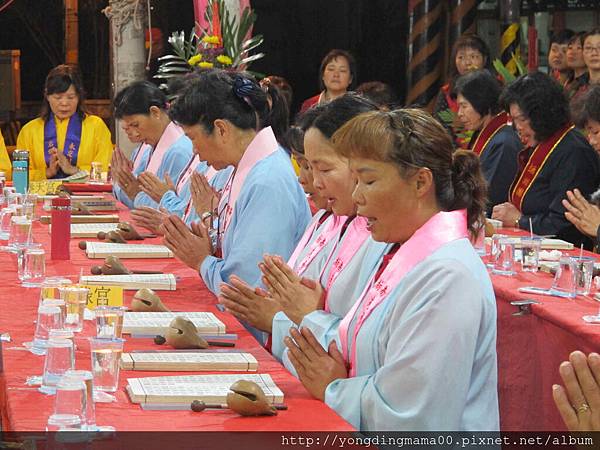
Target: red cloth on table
x,y
28,410
532,346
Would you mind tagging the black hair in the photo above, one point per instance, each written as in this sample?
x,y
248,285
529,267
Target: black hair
x,y
542,101
217,94
380,93
468,41
339,111
577,37
591,107
334,54
59,80
137,98
481,89
278,115
561,37
294,138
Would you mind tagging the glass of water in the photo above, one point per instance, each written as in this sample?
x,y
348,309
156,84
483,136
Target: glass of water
x,y
565,279
70,405
106,358
75,299
530,253
584,274
5,220
60,357
48,318
504,259
34,267
109,321
90,412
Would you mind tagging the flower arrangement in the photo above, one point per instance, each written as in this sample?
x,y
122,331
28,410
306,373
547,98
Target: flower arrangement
x,y
223,45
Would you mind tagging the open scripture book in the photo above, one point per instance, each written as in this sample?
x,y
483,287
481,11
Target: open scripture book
x,y
157,282
100,250
187,388
153,323
189,361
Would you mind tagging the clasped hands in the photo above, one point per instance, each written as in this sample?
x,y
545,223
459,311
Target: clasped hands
x,y
58,161
297,297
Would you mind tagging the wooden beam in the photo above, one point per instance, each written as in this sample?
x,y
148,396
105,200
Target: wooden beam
x,y
71,32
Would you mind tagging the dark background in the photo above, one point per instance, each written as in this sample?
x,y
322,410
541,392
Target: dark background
x,y
298,33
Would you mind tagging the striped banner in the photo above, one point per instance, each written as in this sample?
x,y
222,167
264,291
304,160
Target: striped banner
x,y
510,47
462,20
425,52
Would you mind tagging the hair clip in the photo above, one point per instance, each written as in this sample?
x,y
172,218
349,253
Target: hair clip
x,y
243,88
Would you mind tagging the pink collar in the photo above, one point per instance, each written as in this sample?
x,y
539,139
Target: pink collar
x,y
168,138
442,228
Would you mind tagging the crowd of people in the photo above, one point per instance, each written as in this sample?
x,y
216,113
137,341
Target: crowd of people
x,y
344,241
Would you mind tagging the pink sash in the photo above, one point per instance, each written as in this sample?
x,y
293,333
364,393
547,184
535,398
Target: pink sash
x,y
356,235
441,229
210,173
310,230
168,138
138,156
263,145
331,230
191,168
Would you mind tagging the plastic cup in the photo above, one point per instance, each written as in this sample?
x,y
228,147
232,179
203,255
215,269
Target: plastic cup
x,y
530,253
75,300
109,321
70,405
584,273
504,259
60,357
49,317
34,267
106,359
565,282
90,412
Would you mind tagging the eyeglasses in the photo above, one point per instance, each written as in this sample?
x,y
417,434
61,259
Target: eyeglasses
x,y
587,49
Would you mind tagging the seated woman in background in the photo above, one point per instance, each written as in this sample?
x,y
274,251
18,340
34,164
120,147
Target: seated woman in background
x,y
469,53
5,164
337,75
584,214
224,115
143,108
393,362
557,55
556,158
494,140
64,139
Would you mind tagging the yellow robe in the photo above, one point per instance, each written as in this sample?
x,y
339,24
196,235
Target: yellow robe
x,y
96,144
5,164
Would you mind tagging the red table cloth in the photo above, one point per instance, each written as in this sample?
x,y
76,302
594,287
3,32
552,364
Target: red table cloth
x,y
25,409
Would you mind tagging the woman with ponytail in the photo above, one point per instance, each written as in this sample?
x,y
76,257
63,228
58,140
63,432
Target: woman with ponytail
x,y
417,351
262,208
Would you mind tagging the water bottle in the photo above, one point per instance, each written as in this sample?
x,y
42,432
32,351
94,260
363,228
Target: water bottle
x,y
21,171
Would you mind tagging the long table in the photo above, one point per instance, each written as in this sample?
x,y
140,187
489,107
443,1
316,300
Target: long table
x,y
532,346
23,408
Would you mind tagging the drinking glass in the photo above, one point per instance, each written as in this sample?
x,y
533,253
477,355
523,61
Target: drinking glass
x,y
60,304
60,357
70,405
20,231
75,298
5,220
48,318
34,263
504,259
21,259
49,287
565,283
90,411
584,273
109,321
106,359
530,253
